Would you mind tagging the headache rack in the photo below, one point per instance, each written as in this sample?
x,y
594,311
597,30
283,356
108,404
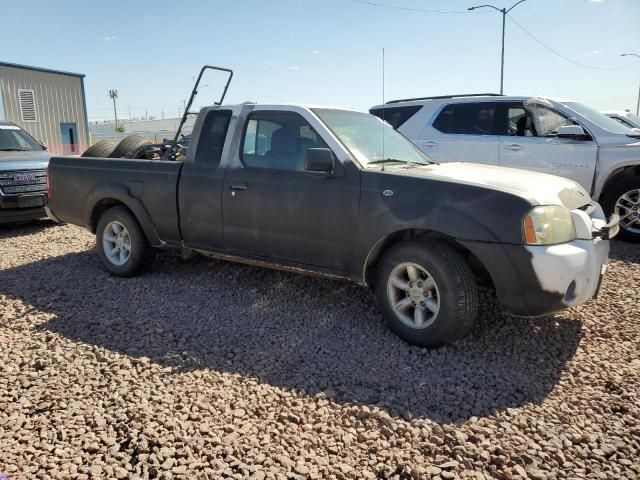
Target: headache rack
x,y
440,97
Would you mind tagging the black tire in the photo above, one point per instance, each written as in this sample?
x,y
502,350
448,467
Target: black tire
x,y
101,149
611,196
128,146
141,254
456,291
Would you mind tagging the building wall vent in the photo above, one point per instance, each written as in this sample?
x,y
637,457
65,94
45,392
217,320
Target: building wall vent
x,y
27,99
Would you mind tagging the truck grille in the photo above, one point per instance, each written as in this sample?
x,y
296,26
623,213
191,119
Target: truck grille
x,y
23,181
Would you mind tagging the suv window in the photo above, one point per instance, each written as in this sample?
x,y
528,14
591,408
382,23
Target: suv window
x,y
467,118
396,116
547,121
212,136
278,140
520,122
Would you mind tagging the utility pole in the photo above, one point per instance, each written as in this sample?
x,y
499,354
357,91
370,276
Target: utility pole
x,y
634,55
114,94
129,107
504,12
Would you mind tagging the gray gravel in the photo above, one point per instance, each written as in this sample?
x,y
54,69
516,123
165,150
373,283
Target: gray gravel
x,y
205,369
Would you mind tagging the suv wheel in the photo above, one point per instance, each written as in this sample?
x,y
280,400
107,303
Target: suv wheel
x,y
427,293
121,244
623,198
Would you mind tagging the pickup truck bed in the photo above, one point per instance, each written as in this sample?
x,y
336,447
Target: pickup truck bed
x,y
149,188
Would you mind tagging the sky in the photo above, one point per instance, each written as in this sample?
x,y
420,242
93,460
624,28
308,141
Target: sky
x,y
327,52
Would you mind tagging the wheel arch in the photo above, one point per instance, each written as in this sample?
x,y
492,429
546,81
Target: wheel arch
x,y
103,198
619,174
384,244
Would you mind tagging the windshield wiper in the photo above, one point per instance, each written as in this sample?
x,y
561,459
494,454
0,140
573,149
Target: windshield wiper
x,y
13,150
384,161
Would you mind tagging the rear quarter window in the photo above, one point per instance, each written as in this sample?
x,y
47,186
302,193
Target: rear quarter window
x,y
213,136
396,116
467,119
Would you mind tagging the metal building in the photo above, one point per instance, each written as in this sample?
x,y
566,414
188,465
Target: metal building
x,y
48,104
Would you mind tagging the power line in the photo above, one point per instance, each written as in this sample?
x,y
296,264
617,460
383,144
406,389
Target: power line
x,y
555,52
406,9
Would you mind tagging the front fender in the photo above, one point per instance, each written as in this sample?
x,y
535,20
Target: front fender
x,y
452,224
466,212
612,160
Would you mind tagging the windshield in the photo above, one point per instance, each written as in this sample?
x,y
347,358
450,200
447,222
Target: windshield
x,y
12,138
600,119
369,139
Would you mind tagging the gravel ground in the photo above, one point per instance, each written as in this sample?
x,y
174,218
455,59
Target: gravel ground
x,y
205,369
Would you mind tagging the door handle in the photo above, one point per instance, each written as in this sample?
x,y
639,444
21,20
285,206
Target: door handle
x,y
429,143
514,146
239,186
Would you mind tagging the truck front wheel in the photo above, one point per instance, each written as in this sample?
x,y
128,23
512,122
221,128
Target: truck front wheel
x,y
623,198
427,293
122,246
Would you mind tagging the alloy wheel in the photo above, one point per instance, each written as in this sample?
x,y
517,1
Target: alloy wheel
x,y
628,207
413,295
116,243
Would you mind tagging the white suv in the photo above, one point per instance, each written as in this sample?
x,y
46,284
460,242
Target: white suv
x,y
553,136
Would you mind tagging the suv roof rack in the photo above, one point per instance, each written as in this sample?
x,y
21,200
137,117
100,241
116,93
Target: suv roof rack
x,y
447,96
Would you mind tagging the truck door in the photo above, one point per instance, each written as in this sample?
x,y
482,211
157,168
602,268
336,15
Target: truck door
x,y
200,185
274,208
528,142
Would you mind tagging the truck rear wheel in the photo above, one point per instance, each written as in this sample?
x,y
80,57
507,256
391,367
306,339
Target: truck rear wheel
x,y
122,246
427,293
101,149
128,146
623,198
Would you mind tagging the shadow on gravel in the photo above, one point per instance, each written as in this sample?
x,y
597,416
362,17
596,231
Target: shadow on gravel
x,y
625,251
296,332
22,229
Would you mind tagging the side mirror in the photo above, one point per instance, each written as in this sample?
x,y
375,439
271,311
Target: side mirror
x,y
44,147
575,132
319,160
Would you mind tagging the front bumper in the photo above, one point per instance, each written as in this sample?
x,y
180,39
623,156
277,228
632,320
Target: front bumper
x,y
16,215
21,208
538,280
531,281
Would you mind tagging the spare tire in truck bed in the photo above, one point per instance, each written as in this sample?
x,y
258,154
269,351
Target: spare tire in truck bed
x,y
103,149
128,145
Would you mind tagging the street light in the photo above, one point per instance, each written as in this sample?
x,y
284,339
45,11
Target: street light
x,y
504,12
114,94
634,55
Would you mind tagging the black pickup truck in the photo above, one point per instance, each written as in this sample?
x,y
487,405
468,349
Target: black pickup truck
x,y
340,193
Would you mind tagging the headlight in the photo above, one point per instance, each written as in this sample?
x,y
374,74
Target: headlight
x,y
549,225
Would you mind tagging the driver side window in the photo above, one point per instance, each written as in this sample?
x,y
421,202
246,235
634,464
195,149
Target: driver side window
x,y
547,121
278,141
